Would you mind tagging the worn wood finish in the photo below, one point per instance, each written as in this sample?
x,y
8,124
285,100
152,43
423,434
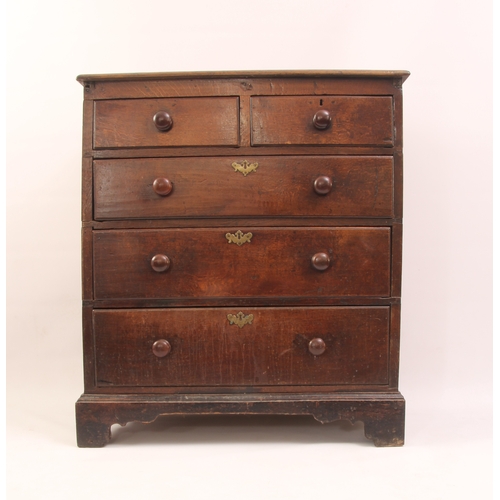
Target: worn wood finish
x,y
383,414
87,268
242,222
313,76
243,302
241,83
397,259
359,121
263,186
242,244
204,264
196,122
252,347
243,151
241,389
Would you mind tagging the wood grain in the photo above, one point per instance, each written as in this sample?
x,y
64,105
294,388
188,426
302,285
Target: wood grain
x,y
382,413
211,187
164,339
276,262
272,350
197,122
283,121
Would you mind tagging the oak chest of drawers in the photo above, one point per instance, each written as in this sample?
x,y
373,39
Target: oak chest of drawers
x,y
242,240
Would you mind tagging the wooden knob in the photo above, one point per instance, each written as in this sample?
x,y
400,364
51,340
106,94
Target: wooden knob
x,y
320,261
322,119
317,346
161,348
323,185
163,121
160,263
162,186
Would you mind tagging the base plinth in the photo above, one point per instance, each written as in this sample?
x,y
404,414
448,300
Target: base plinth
x,y
383,414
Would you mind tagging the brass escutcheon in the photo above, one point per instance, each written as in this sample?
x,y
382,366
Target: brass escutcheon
x,y
239,238
240,319
244,167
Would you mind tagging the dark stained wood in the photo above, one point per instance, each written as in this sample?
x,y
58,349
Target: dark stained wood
x,y
160,348
87,264
359,186
186,222
88,348
317,346
154,86
162,186
160,263
363,120
244,122
163,121
244,389
211,288
175,152
382,413
321,261
245,87
394,345
88,117
244,302
87,209
271,349
322,119
205,264
398,182
397,259
311,75
323,184
197,122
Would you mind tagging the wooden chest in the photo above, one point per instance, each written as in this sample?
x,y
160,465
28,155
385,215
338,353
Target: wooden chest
x,y
242,240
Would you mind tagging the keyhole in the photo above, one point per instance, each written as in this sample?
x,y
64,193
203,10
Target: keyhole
x,y
321,102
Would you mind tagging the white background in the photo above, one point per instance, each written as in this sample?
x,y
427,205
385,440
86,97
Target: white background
x,y
446,365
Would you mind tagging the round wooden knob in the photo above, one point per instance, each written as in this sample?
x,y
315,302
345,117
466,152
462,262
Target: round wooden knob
x,y
162,186
160,263
163,121
161,348
317,346
320,261
323,185
322,119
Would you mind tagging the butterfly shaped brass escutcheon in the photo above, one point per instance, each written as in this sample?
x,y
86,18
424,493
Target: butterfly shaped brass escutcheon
x,y
239,238
244,167
240,319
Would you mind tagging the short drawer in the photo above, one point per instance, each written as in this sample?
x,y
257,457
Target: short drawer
x,y
358,186
248,347
242,262
132,123
322,120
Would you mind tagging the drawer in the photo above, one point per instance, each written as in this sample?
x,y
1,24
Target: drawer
x,y
259,186
349,121
242,262
196,121
249,347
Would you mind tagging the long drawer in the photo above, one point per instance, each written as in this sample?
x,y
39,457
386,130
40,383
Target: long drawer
x,y
358,186
249,347
270,262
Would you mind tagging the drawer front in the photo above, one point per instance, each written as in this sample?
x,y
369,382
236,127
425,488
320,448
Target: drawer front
x,y
194,122
356,121
208,347
246,262
259,186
